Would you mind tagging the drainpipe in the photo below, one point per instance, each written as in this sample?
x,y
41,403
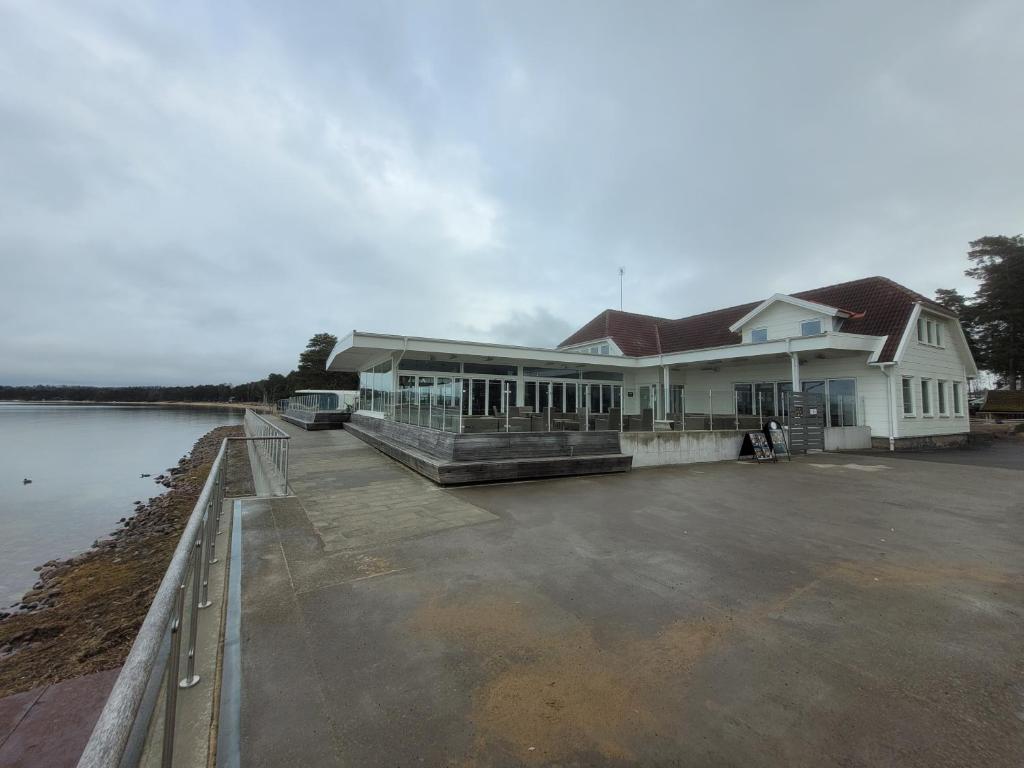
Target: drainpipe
x,y
888,403
794,359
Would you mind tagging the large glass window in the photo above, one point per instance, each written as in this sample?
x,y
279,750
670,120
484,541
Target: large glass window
x,y
570,398
478,397
926,397
744,399
908,396
842,402
530,395
958,402
552,373
943,404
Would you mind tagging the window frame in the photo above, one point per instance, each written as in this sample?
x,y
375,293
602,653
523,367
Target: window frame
x,y
943,397
958,398
757,330
907,388
927,406
821,327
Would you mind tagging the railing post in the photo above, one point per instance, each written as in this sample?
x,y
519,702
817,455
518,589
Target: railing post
x,y
711,411
171,688
191,678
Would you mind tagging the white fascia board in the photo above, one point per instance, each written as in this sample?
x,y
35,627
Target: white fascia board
x,y
810,306
833,340
910,327
385,344
369,348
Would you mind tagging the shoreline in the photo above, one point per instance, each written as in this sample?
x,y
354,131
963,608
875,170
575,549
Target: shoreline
x,y
258,407
83,613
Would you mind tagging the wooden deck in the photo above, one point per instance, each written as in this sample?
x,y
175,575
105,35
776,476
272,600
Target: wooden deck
x,y
451,459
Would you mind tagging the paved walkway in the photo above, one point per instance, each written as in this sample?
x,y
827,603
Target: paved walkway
x,y
838,610
48,726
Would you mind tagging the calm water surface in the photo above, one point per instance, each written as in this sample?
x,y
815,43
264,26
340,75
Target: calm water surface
x,y
84,462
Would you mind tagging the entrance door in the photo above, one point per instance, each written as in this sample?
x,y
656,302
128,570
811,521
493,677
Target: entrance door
x,y
807,422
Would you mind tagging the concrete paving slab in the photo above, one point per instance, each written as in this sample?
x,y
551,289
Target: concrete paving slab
x,y
807,613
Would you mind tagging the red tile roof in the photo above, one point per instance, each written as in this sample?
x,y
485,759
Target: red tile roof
x,y
880,306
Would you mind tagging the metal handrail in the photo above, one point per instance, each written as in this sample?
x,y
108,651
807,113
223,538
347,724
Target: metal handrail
x,y
120,719
272,443
119,736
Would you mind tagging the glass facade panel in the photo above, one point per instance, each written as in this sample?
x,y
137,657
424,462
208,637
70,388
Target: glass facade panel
x,y
557,390
493,369
842,402
570,398
785,389
744,399
552,373
765,396
478,398
445,366
595,397
530,395
542,396
602,376
494,404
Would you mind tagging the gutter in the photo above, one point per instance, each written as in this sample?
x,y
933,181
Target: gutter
x,y
884,367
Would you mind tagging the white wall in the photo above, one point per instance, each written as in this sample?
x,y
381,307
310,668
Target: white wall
x,y
782,321
872,405
921,360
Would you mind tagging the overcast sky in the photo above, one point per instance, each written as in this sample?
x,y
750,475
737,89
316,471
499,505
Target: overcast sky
x,y
189,191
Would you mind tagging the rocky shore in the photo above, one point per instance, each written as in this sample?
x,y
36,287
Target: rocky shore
x,y
83,613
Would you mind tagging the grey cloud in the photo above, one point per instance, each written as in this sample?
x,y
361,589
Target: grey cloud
x,y
190,193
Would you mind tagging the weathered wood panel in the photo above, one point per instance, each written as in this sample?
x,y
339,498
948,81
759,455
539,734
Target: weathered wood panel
x,y
504,468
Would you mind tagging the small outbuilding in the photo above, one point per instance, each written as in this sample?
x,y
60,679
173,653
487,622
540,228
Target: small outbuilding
x,y
1003,404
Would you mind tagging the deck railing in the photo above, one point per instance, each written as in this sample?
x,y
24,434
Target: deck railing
x,y
140,716
270,445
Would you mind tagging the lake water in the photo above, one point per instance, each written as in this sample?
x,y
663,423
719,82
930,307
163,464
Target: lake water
x,y
84,462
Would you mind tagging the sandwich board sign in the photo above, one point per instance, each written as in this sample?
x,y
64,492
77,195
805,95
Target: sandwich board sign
x,y
777,439
756,444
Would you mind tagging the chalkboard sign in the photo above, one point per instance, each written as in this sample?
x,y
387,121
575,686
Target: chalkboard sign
x,y
756,444
777,439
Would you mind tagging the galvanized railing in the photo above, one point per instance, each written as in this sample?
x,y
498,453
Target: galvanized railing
x,y
119,736
150,680
270,445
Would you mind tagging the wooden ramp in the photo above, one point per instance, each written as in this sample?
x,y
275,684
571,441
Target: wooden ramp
x,y
490,457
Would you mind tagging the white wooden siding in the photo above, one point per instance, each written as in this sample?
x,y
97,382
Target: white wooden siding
x,y
935,363
783,321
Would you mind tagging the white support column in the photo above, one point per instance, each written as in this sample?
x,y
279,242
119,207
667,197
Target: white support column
x,y
665,386
795,364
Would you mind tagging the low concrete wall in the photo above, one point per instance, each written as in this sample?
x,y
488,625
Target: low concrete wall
x,y
848,438
956,440
652,449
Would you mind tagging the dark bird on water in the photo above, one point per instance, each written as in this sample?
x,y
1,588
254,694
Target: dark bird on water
x,y
26,481
143,475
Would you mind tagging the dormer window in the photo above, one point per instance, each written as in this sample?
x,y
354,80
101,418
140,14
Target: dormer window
x,y
758,335
810,327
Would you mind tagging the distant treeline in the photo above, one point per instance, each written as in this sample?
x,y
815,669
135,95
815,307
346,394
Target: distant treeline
x,y
311,373
202,393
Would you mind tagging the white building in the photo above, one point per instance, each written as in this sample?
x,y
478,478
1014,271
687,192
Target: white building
x,y
890,365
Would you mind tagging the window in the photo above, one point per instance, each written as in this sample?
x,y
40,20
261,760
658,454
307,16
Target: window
x,y
810,327
929,332
926,397
758,335
605,349
958,400
943,406
908,396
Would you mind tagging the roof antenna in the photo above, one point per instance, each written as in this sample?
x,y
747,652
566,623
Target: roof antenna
x,y
622,271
